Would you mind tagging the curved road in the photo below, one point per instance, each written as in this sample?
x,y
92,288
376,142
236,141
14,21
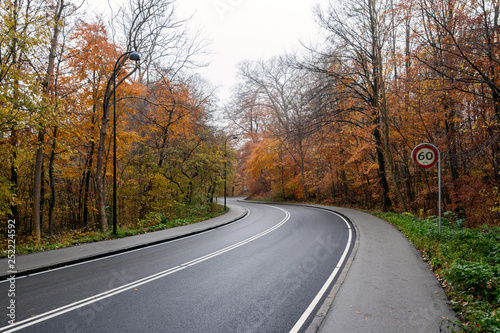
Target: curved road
x,y
265,273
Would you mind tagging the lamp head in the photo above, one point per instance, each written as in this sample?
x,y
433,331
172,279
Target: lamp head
x,y
134,56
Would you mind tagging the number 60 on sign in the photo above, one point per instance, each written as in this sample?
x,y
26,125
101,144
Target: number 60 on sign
x,y
425,155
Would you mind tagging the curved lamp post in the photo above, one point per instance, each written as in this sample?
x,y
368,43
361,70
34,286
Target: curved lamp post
x,y
132,55
225,166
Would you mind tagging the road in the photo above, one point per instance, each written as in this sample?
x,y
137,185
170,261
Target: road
x,y
265,273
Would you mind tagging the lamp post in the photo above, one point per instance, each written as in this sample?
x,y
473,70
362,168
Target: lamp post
x,y
225,166
132,55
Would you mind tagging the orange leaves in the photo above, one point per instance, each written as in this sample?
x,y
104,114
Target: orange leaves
x,y
90,54
427,73
264,158
166,153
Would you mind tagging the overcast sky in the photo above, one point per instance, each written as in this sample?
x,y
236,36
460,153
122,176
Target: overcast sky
x,y
248,30
242,30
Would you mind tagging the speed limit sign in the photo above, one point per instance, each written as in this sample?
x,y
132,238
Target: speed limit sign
x,y
425,155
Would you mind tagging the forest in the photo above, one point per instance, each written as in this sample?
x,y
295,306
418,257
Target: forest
x,y
335,123
62,74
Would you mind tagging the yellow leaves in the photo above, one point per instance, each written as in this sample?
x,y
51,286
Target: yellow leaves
x,y
7,197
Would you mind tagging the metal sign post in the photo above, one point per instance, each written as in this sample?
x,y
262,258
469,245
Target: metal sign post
x,y
425,155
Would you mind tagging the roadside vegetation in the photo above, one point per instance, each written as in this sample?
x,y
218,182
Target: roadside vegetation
x,y
152,222
466,262
65,78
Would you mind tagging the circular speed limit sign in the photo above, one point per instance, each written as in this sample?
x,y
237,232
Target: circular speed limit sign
x,y
425,155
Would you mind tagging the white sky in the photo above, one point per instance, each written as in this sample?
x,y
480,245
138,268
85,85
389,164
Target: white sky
x,y
244,30
248,30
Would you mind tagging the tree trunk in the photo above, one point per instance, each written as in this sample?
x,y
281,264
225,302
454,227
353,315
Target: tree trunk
x,y
37,186
13,172
302,173
52,201
101,195
387,149
86,186
386,200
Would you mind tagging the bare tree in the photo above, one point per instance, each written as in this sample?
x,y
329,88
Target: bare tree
x,y
284,91
244,113
360,36
151,28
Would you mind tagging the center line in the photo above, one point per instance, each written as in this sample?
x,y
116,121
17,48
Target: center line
x,y
79,304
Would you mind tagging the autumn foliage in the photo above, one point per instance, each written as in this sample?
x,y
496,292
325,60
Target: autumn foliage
x,y
335,124
168,156
338,125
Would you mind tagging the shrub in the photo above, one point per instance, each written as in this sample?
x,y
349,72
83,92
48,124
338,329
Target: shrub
x,y
466,259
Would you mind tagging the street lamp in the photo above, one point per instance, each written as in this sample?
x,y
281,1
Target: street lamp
x,y
225,167
132,55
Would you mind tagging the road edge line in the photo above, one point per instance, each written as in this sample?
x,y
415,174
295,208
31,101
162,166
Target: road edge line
x,y
322,312
324,308
27,272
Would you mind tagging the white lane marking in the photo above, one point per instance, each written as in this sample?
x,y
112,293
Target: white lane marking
x,y
126,252
248,240
76,305
328,282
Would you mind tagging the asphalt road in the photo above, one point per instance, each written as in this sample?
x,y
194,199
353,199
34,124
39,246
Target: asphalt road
x,y
264,273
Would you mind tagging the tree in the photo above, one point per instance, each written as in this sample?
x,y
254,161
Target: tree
x,y
282,90
360,32
48,85
23,44
90,59
152,29
459,41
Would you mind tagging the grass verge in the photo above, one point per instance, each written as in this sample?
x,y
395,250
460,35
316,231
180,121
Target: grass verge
x,y
466,261
152,222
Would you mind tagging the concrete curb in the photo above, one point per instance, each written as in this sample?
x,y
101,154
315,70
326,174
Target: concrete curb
x,y
320,315
122,245
327,303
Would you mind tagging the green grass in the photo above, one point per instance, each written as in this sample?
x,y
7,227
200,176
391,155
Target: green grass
x,y
152,222
73,237
467,261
